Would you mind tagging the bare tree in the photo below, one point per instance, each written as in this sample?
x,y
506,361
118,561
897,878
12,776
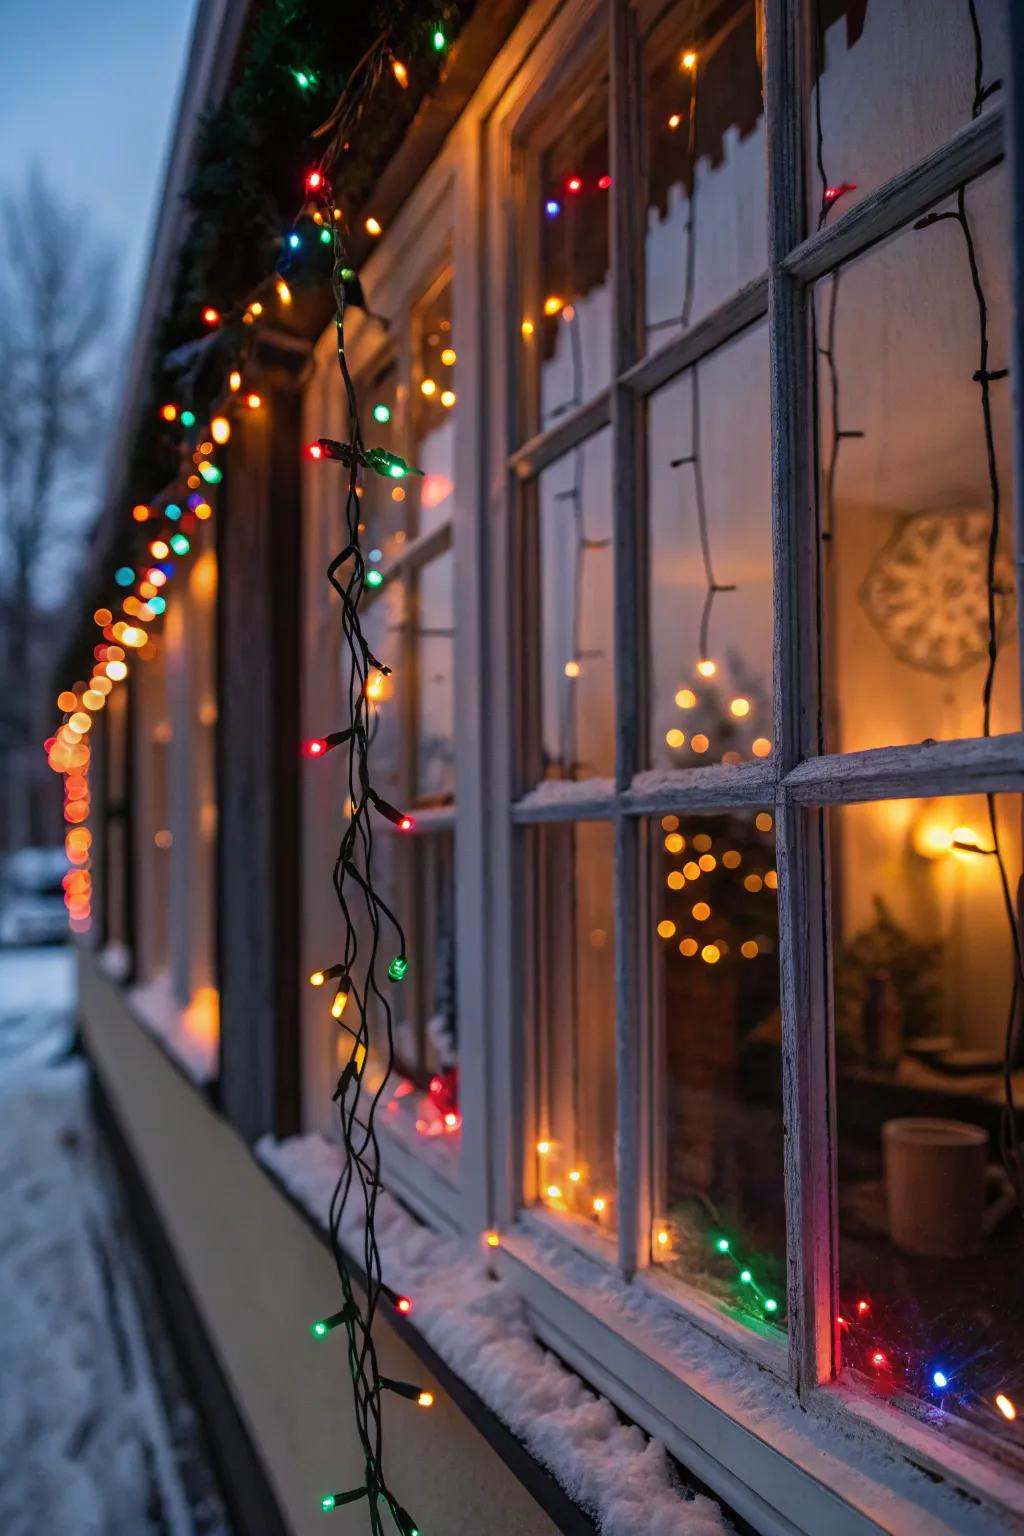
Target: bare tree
x,y
55,360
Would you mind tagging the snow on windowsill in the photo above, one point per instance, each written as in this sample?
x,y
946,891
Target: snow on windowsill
x,y
478,1325
186,1034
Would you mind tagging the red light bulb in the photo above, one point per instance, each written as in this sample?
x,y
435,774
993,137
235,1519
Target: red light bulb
x,y
403,1304
863,1308
406,824
211,315
878,1359
314,181
574,184
604,182
314,451
315,748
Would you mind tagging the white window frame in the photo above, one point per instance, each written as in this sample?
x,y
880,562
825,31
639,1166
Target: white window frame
x,y
701,1423
862,1472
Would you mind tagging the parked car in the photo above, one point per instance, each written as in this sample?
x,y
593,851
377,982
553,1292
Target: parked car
x,y
32,907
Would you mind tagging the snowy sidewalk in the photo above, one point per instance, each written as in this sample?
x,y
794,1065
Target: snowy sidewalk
x,y
88,1445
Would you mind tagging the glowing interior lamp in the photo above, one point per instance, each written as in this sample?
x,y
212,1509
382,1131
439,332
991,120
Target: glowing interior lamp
x,y
188,418
398,968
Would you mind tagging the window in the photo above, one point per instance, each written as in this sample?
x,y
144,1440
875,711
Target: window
x,y
748,934
407,379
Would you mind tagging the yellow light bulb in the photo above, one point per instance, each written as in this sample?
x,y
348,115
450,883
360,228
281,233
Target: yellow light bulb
x,y
256,308
701,911
428,388
572,669
372,226
317,979
706,667
220,429
700,742
234,380
711,954
338,1006
575,1176
663,1238
675,738
685,698
284,293
543,1147
763,821
492,1239
599,1204
675,880
400,73
761,747
688,60
674,121
553,1192
448,398
1005,1406
552,305
527,328
675,842
448,356
749,949
739,708
688,947
666,928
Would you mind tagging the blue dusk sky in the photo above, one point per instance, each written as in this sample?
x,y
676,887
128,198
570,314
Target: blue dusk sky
x,y
89,91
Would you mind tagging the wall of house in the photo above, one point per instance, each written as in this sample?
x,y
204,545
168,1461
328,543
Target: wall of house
x,y
258,1276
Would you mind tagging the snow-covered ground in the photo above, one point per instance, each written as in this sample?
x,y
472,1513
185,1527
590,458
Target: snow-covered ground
x,y
96,1436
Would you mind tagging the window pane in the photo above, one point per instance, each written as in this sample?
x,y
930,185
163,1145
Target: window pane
x,y
932,1243
898,80
576,615
415,876
434,403
435,691
719,1217
705,217
383,505
906,504
710,573
383,621
573,970
566,335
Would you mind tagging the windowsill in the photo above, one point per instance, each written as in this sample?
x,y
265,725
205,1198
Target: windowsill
x,y
835,1461
185,1034
471,1329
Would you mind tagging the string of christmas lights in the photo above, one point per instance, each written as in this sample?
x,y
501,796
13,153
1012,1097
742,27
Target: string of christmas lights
x,y
360,997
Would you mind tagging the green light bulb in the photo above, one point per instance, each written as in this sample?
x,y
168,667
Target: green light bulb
x,y
722,1245
179,543
439,39
304,79
374,578
347,274
771,1306
211,474
396,472
319,1329
188,418
327,1503
382,414
746,1276
398,968
325,236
